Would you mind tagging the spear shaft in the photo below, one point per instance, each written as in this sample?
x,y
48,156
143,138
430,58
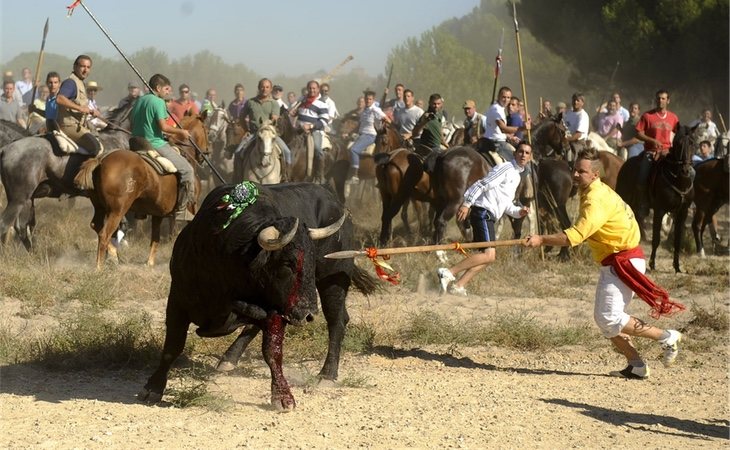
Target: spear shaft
x,y
345,254
522,72
497,66
38,68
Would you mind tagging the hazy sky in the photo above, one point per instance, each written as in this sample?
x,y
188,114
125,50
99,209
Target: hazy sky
x,y
288,37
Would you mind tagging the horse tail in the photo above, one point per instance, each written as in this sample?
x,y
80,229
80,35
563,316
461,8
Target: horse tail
x,y
84,180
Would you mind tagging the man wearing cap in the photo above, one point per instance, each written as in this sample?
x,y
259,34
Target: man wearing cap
x,y
183,104
73,108
133,92
277,92
473,122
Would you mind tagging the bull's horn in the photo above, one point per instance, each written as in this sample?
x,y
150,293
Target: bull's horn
x,y
329,230
269,237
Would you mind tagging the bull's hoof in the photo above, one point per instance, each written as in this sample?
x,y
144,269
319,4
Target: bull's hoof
x,y
283,404
325,383
225,366
148,396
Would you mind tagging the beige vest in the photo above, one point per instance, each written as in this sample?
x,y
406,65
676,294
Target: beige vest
x,y
69,120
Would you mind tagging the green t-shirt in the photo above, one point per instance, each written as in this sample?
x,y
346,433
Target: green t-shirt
x,y
259,111
146,114
431,134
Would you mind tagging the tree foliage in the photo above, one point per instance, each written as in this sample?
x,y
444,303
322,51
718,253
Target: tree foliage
x,y
681,45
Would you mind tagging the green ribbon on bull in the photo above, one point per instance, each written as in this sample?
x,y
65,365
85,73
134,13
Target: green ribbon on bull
x,y
241,197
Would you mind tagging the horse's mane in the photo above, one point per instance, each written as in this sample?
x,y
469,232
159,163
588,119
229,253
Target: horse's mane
x,y
118,115
9,126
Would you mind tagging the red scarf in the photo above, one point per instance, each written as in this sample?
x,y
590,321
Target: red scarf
x,y
308,101
655,296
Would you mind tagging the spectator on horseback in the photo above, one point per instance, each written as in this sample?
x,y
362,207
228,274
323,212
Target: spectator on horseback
x,y
610,123
367,132
611,231
577,122
257,111
485,202
183,104
546,111
149,121
324,95
561,108
133,93
235,108
277,93
704,128
704,154
496,129
406,118
393,105
656,128
10,108
633,144
429,126
473,123
515,119
25,86
50,107
209,102
313,116
73,108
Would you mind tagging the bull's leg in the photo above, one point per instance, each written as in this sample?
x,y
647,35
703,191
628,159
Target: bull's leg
x,y
155,240
272,348
230,358
679,220
404,217
656,235
175,335
332,293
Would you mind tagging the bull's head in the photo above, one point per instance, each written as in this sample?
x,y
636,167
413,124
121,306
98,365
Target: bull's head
x,y
287,271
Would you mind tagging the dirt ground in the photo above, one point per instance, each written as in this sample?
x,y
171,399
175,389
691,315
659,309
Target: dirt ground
x,y
406,397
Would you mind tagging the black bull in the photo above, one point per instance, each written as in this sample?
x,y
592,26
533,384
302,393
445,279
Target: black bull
x,y
225,278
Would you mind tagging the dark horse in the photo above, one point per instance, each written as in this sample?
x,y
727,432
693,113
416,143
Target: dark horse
x,y
32,168
670,191
122,181
712,183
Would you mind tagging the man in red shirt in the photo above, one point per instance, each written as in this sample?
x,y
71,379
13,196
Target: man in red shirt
x,y
656,128
180,106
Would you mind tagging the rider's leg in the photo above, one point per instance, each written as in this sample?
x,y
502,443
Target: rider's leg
x,y
240,151
362,142
642,186
187,176
505,150
284,149
90,143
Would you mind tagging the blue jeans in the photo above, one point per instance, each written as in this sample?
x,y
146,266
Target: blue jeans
x,y
362,142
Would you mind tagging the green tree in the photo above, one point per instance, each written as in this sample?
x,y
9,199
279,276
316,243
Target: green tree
x,y
681,45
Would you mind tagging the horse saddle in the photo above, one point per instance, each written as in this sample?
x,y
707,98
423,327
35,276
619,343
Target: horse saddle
x,y
61,143
144,149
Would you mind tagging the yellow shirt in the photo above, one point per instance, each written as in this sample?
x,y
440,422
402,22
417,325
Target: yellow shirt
x,y
605,222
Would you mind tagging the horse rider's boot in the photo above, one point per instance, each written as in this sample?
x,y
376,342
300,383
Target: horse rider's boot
x,y
284,171
642,200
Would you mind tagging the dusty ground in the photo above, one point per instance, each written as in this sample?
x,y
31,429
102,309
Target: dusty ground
x,y
425,397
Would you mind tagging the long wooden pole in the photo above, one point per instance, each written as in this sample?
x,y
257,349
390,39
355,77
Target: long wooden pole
x,y
345,254
38,68
497,67
522,72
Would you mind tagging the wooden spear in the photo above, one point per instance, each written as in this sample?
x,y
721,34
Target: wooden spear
x,y
522,72
38,68
345,254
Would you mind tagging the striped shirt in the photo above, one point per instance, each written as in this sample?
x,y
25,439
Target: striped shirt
x,y
496,191
317,114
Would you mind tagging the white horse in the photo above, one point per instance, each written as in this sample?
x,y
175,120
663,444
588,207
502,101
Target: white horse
x,y
262,162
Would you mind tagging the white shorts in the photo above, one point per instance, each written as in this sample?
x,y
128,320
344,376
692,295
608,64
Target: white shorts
x,y
612,298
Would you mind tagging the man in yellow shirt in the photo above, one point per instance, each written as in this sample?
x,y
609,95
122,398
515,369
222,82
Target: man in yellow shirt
x,y
609,228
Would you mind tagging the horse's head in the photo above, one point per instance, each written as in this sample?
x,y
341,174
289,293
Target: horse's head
x,y
388,139
265,143
217,122
550,138
196,127
682,149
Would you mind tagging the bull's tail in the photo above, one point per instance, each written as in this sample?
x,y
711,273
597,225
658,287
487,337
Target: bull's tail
x,y
84,180
364,282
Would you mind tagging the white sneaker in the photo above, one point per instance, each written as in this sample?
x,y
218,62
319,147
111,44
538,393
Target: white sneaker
x,y
457,290
632,373
670,347
445,277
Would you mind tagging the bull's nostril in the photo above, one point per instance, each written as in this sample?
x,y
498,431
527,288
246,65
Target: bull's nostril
x,y
310,317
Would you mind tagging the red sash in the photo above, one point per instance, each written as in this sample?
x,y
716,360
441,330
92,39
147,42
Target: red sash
x,y
655,296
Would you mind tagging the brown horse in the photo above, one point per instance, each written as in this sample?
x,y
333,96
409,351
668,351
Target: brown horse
x,y
711,192
122,181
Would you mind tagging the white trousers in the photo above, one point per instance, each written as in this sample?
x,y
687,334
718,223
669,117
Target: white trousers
x,y
612,299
